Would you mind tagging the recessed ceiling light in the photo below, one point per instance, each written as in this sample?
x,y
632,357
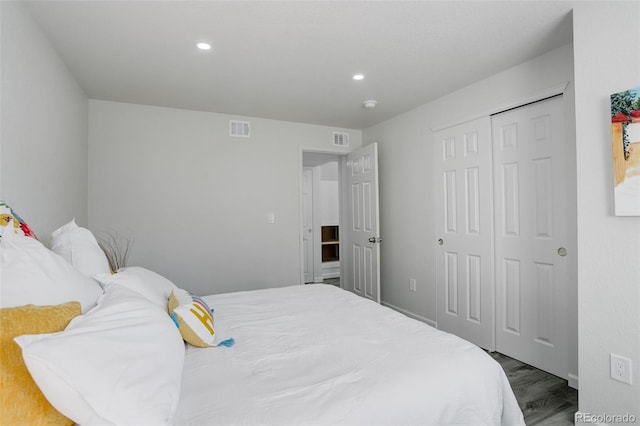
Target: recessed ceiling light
x,y
370,104
203,46
358,76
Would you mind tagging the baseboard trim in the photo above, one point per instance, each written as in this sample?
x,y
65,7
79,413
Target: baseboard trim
x,y
410,314
573,380
331,275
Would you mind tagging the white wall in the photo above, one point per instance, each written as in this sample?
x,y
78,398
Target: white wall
x,y
407,207
329,194
196,199
607,60
44,128
407,181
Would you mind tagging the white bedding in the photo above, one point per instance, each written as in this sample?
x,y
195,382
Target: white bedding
x,y
316,354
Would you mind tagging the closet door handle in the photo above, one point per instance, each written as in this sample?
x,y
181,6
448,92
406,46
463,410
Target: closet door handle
x,y
562,251
440,241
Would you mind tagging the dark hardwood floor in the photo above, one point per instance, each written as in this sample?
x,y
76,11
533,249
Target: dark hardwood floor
x,y
333,281
544,399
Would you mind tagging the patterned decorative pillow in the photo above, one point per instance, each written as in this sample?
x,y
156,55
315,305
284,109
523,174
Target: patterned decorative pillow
x,y
21,401
7,215
194,319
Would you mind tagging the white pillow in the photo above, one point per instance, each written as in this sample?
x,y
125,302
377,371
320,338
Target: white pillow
x,y
119,364
33,274
80,248
153,286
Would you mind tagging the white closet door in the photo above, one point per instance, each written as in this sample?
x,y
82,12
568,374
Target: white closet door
x,y
464,231
530,225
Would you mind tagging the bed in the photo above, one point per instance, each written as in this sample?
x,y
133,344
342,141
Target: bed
x,y
317,354
115,348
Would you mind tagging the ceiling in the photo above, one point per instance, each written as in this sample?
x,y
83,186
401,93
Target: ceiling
x,y
294,60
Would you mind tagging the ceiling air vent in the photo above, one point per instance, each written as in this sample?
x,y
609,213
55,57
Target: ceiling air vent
x,y
340,139
239,129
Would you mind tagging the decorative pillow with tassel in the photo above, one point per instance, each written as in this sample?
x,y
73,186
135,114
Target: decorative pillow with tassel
x,y
194,319
20,226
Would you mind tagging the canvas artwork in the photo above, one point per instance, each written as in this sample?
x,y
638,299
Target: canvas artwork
x,y
625,137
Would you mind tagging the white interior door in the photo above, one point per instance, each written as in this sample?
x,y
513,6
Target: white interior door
x,y
530,221
307,224
363,233
464,232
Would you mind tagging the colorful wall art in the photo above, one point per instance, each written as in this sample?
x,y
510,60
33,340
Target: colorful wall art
x,y
625,137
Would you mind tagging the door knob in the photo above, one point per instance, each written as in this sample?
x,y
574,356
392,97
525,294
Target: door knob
x,y
562,251
440,241
374,240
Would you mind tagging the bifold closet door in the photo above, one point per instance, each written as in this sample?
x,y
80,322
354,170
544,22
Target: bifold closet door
x,y
530,235
464,231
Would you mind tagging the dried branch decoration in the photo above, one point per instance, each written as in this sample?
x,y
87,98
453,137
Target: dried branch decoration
x,y
116,248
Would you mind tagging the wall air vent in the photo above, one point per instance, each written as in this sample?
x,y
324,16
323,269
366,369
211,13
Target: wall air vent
x,y
239,129
340,139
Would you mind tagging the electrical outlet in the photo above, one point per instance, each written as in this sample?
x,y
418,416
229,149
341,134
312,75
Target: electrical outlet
x,y
412,284
620,368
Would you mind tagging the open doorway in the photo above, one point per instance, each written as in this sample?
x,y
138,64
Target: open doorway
x,y
357,267
322,213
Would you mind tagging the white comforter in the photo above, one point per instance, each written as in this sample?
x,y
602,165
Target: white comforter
x,y
316,354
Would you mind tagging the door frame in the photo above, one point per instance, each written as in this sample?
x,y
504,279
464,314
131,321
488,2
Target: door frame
x,y
308,255
341,156
549,92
